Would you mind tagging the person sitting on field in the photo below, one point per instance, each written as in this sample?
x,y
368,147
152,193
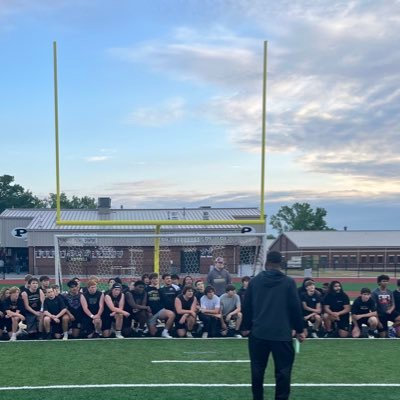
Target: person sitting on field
x,y
311,303
14,313
55,317
136,299
363,311
385,305
27,277
187,281
92,302
210,312
44,282
72,300
186,307
243,288
168,293
231,311
199,290
114,312
33,299
158,310
337,310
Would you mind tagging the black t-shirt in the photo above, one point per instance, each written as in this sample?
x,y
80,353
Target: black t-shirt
x,y
54,306
198,295
154,299
186,304
336,301
363,307
14,306
93,301
73,302
310,300
34,299
168,295
114,300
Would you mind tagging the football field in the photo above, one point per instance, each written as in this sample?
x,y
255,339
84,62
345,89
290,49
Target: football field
x,y
195,369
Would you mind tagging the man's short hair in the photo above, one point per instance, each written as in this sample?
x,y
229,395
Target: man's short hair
x,y
381,278
165,275
72,283
175,277
196,282
309,283
139,283
365,290
27,277
274,257
229,288
33,280
153,275
92,282
246,279
186,288
209,289
44,278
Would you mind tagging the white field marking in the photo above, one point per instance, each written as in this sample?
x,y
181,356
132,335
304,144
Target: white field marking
x,y
199,361
199,352
158,385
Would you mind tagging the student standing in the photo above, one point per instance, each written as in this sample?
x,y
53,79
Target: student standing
x,y
271,311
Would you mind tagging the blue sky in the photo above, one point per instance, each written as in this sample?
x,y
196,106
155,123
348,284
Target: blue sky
x,y
160,103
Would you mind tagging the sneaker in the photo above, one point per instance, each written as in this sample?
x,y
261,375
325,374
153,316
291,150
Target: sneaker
x,y
238,335
314,335
189,335
204,335
65,336
13,337
166,335
371,337
118,335
95,335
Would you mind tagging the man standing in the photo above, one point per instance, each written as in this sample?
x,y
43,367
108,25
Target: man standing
x,y
271,311
219,277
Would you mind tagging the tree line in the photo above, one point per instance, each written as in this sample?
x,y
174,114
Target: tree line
x,y
298,217
13,195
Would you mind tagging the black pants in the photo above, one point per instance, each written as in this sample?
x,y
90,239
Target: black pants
x,y
283,355
211,324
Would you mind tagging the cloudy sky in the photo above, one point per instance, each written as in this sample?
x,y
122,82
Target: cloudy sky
x,y
160,103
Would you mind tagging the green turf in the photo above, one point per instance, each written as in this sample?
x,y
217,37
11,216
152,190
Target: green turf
x,y
129,362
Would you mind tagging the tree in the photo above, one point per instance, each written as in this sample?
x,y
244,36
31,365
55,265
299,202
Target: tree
x,y
15,196
74,203
299,217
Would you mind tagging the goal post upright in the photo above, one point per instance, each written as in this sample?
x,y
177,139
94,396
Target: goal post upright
x,y
159,223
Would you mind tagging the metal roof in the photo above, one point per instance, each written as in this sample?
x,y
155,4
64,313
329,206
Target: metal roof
x,y
45,219
330,239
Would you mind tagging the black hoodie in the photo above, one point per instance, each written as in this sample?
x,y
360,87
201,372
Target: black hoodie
x,y
272,307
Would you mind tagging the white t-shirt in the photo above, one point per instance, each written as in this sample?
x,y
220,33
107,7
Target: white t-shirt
x,y
210,304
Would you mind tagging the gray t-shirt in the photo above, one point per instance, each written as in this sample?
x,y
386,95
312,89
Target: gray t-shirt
x,y
219,280
228,304
383,299
210,304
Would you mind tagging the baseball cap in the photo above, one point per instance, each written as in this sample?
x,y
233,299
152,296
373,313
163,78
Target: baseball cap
x,y
219,260
116,286
72,284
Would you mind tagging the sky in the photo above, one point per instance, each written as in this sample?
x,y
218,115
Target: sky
x,y
160,103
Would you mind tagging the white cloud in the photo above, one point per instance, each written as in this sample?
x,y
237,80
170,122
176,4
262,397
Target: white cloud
x,y
92,159
168,112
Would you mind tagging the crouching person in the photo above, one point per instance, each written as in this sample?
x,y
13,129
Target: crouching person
x,y
14,312
186,312
55,317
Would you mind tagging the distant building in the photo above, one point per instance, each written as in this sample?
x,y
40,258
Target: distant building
x,y
28,235
342,250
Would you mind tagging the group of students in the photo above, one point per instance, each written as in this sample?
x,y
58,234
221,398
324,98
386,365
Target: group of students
x,y
327,311
144,308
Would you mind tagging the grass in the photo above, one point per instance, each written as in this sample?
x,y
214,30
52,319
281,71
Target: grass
x,y
129,361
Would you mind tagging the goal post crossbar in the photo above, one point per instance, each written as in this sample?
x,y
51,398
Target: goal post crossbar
x,y
87,251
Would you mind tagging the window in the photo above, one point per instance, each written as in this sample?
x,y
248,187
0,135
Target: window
x,y
371,259
379,259
391,258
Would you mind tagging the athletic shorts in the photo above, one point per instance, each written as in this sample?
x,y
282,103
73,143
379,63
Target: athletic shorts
x,y
56,328
153,320
344,323
385,318
32,322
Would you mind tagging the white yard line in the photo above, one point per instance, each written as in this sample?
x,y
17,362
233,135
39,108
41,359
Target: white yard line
x,y
161,385
199,361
